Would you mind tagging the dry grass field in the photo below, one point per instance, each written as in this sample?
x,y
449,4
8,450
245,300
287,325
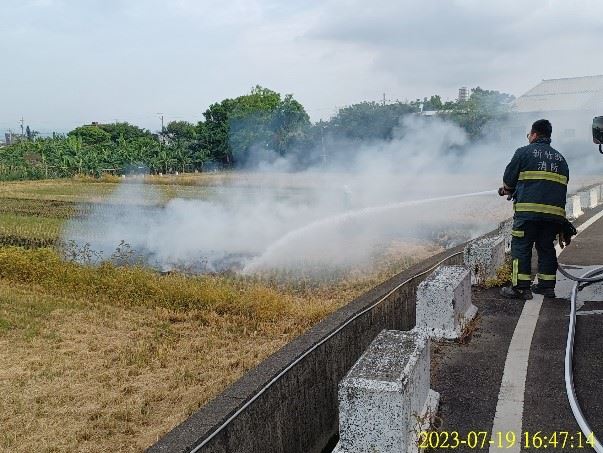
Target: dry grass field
x,y
109,359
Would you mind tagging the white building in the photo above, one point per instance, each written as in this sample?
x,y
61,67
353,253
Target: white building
x,y
570,105
464,94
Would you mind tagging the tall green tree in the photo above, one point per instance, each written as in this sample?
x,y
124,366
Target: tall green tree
x,y
483,108
433,103
125,130
214,132
291,125
181,131
250,122
91,135
368,121
265,120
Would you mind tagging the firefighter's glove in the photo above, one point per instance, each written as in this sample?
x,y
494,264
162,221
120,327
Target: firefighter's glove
x,y
502,191
564,240
565,235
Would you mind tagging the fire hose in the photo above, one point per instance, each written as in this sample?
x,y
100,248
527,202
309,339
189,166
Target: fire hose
x,y
592,276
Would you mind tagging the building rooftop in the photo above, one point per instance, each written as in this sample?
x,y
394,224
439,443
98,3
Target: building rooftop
x,y
575,93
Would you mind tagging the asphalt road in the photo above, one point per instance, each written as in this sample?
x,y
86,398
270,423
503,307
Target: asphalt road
x,y
468,376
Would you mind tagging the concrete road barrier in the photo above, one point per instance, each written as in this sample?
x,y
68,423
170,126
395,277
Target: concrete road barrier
x,y
504,229
573,207
595,195
385,400
483,257
589,198
444,302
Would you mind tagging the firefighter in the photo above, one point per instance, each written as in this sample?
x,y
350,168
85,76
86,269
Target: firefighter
x,y
536,179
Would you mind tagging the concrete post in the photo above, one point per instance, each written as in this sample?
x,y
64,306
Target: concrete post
x,y
504,229
483,257
573,207
444,305
385,400
589,198
595,195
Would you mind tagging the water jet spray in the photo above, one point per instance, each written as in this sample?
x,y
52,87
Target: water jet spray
x,y
261,261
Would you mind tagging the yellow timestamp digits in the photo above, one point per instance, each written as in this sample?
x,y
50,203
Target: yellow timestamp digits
x,y
481,439
558,439
473,439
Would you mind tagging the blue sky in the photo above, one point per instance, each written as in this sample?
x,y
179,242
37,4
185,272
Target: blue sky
x,y
67,62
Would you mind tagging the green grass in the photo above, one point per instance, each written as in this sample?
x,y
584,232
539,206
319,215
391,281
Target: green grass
x,y
58,189
32,213
96,191
162,188
38,208
29,231
138,286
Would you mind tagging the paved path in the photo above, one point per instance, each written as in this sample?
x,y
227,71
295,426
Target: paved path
x,y
510,376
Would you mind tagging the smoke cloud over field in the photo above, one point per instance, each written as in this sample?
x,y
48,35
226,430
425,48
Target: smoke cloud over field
x,y
342,213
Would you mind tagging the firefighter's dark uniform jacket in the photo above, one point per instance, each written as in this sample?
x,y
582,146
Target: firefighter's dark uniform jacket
x,y
538,175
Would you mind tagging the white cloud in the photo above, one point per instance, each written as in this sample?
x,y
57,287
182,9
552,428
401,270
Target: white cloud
x,y
73,61
443,45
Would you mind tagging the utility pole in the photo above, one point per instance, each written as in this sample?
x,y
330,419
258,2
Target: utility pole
x,y
322,142
21,127
161,116
384,100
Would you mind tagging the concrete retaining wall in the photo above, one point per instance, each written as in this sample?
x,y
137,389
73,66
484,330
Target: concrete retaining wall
x,y
298,412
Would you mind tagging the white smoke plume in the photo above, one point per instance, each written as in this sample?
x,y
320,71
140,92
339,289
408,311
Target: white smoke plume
x,y
324,216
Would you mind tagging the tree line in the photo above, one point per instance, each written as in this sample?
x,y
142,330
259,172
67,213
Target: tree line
x,y
260,125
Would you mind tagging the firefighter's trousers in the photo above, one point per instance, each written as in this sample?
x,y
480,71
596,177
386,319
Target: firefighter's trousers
x,y
526,234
